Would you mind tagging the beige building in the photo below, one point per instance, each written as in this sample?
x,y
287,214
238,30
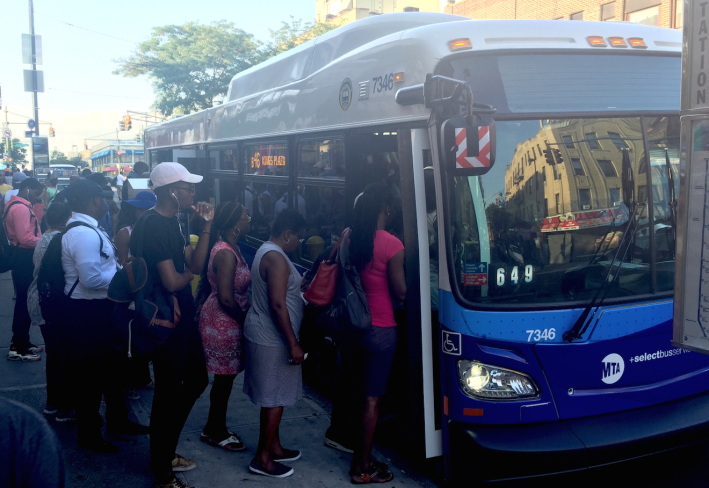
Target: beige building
x,y
346,11
660,13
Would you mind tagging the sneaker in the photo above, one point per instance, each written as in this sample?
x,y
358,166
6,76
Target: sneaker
x,y
66,416
175,483
280,471
35,349
337,442
22,356
180,464
49,410
131,394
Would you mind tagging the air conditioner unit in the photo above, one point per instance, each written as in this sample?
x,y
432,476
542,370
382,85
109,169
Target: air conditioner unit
x,y
587,207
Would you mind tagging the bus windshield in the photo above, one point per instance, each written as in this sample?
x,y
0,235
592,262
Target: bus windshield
x,y
549,217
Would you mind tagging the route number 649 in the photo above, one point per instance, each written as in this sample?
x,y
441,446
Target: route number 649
x,y
514,275
541,335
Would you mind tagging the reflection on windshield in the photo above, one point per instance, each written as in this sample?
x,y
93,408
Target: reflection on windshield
x,y
555,212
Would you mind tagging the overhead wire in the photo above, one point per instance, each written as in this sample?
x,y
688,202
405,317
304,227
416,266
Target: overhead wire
x,y
98,94
84,28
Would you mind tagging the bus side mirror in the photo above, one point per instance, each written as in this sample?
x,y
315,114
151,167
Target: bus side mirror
x,y
468,145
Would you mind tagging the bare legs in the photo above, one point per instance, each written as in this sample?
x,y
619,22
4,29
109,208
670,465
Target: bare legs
x,y
363,448
269,441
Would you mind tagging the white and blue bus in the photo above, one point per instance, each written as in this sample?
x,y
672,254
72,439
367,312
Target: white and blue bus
x,y
538,166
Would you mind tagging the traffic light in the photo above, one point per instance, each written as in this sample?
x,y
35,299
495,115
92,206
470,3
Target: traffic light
x,y
128,122
51,132
557,156
549,156
121,125
86,146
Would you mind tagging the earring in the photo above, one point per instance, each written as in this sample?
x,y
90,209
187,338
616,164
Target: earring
x,y
235,232
287,241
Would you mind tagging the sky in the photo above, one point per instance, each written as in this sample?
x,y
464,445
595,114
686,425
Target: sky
x,y
83,99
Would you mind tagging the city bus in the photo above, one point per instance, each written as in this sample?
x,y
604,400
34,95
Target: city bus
x,y
538,168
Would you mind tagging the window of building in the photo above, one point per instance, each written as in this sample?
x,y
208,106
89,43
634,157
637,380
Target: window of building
x,y
578,169
568,141
592,141
614,194
546,207
679,14
617,140
558,204
607,167
411,9
576,16
556,173
585,198
608,11
267,159
544,175
647,16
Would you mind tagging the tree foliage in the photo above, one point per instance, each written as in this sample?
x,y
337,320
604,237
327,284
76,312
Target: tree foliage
x,y
191,65
17,154
58,157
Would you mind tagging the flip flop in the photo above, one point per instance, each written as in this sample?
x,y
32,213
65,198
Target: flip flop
x,y
373,475
231,443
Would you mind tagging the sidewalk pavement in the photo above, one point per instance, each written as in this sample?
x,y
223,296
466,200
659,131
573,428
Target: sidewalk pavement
x,y
303,427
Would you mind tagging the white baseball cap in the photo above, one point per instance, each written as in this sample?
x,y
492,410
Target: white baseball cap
x,y
168,173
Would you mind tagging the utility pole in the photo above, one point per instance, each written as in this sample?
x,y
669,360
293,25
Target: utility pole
x,y
34,69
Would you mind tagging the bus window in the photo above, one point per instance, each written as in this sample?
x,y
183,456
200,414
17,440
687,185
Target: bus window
x,y
267,159
228,190
663,141
260,199
500,221
223,159
325,209
321,159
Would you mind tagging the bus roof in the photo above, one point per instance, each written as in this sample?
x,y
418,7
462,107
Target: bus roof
x,y
341,79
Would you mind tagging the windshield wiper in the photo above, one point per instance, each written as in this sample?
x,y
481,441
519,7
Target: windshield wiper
x,y
628,183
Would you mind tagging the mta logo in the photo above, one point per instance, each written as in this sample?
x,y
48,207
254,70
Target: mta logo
x,y
612,368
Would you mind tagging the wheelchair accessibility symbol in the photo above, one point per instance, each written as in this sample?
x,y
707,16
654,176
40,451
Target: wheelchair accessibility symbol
x,y
451,343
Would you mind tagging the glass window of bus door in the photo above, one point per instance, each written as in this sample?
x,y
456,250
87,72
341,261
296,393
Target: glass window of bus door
x,y
225,169
321,193
265,182
663,142
564,257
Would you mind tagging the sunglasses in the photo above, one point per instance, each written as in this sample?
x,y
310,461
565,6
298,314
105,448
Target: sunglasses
x,y
191,188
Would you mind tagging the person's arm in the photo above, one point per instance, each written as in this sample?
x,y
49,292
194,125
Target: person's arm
x,y
397,277
171,279
122,242
84,248
195,258
225,266
275,271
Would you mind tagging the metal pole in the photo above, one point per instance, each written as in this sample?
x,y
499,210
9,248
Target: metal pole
x,y
34,70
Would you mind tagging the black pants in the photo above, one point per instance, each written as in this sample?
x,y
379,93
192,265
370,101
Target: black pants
x,y
345,404
95,366
22,275
59,394
180,378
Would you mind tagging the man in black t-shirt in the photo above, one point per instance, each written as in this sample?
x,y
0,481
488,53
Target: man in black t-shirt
x,y
178,364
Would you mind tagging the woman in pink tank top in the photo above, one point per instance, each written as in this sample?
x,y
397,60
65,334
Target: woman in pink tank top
x,y
379,259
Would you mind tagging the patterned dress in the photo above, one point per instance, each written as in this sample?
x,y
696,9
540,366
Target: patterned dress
x,y
222,336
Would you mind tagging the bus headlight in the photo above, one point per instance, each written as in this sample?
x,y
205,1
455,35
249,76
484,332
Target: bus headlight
x,y
484,381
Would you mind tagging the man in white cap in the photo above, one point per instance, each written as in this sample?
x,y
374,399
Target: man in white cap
x,y
17,179
178,364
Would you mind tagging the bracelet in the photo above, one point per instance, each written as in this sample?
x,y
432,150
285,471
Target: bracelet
x,y
205,232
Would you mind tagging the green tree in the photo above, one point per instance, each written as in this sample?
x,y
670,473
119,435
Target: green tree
x,y
191,65
58,157
17,154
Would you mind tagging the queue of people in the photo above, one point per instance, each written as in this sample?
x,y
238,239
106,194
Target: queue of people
x,y
242,319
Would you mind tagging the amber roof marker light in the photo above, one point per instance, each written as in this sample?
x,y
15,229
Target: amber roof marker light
x,y
398,77
617,42
637,42
596,41
460,44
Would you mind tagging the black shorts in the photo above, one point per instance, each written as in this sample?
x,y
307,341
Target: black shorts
x,y
370,358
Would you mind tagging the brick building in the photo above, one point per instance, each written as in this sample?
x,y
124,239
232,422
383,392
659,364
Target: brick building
x,y
661,13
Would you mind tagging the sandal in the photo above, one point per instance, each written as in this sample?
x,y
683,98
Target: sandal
x,y
231,443
372,475
378,465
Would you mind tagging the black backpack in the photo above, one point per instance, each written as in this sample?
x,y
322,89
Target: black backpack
x,y
7,250
51,278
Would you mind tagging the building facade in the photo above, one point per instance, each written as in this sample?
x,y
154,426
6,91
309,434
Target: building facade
x,y
110,157
659,13
346,11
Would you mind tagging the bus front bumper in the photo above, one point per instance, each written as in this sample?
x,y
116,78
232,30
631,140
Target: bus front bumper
x,y
494,452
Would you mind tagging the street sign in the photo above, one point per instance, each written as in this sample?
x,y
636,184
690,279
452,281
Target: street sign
x,y
31,124
7,133
29,134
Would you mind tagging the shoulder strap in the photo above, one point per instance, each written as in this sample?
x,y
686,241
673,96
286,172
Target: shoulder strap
x,y
141,233
4,216
83,224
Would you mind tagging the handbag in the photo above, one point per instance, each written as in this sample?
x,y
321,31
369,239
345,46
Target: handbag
x,y
322,288
348,313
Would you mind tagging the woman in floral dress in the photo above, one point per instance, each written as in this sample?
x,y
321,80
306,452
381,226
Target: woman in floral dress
x,y
225,282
